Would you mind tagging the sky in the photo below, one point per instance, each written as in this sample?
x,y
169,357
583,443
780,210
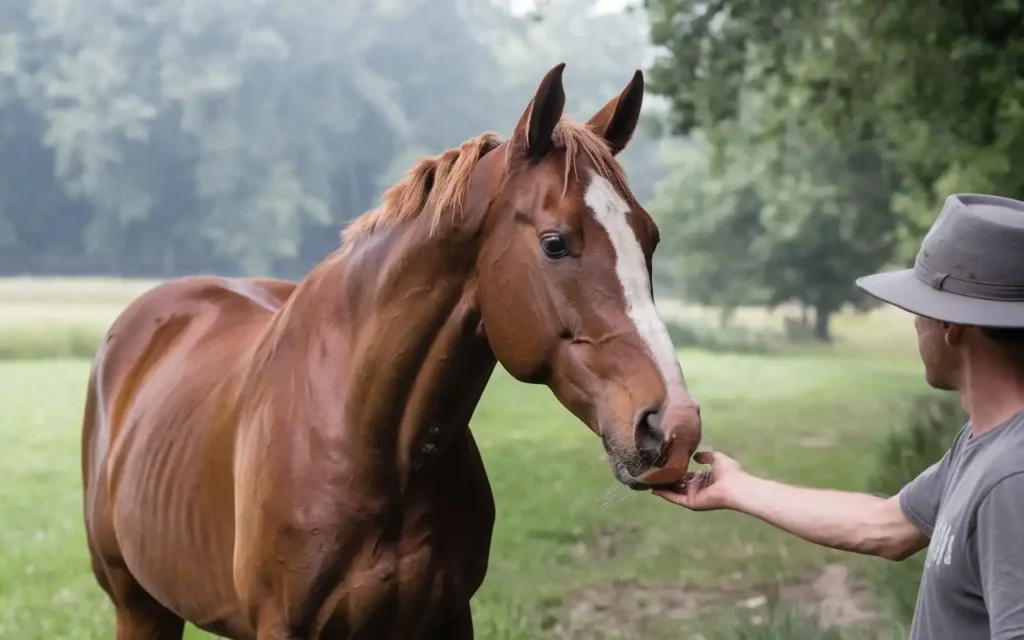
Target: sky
x,y
521,6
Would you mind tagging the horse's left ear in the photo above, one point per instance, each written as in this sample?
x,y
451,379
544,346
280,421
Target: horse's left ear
x,y
538,122
617,120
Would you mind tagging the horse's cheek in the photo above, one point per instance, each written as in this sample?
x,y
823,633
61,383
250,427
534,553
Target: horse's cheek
x,y
518,325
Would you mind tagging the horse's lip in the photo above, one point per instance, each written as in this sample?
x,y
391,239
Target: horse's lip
x,y
663,486
634,483
637,485
640,486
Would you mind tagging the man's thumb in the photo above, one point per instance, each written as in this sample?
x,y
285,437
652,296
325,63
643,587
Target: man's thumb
x,y
705,457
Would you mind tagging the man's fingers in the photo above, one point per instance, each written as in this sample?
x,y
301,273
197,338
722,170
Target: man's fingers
x,y
701,480
686,493
671,496
688,498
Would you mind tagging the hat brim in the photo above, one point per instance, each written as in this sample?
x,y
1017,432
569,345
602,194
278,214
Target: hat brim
x,y
902,289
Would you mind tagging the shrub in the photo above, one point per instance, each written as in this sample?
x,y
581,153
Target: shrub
x,y
731,338
778,623
39,342
930,425
798,331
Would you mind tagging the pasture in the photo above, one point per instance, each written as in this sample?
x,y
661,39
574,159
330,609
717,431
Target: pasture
x,y
574,555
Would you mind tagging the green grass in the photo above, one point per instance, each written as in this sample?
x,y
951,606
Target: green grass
x,y
928,432
59,317
811,416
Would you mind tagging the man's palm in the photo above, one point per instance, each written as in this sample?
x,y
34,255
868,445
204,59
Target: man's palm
x,y
705,490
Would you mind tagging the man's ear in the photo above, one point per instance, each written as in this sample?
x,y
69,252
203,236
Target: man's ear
x,y
537,124
618,118
954,333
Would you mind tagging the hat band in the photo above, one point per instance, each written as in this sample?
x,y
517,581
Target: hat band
x,y
1006,292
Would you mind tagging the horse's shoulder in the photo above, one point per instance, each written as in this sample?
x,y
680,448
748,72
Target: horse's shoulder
x,y
192,296
147,329
269,293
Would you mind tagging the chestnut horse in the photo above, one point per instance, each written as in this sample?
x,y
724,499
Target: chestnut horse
x,y
269,460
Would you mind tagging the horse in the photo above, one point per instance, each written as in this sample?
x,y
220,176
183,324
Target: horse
x,y
269,460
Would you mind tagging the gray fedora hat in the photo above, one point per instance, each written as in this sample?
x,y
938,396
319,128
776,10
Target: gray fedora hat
x,y
970,269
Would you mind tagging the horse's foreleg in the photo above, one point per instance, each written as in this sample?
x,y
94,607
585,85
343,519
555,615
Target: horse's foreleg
x,y
148,622
138,615
273,627
456,627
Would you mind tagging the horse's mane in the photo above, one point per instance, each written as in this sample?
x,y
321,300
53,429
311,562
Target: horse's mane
x,y
439,183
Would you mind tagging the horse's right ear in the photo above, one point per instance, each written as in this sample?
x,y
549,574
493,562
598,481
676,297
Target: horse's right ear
x,y
538,121
617,120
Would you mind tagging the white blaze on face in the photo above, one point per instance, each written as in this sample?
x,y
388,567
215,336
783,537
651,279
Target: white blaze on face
x,y
611,212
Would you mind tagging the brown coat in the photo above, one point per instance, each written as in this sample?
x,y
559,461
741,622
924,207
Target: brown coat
x,y
267,459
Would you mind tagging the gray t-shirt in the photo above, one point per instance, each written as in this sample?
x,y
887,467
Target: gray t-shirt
x,y
971,504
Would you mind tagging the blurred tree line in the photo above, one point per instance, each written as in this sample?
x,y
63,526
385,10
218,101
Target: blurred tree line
x,y
152,138
830,132
790,145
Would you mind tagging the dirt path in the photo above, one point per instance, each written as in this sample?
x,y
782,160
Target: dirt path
x,y
638,609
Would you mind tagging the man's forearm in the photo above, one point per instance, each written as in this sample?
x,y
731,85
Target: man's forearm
x,y
844,520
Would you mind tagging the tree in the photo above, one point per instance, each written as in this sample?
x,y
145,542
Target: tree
x,y
763,224
933,89
149,137
807,101
710,224
237,136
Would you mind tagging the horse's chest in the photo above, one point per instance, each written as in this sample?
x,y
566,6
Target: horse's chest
x,y
411,585
403,592
425,580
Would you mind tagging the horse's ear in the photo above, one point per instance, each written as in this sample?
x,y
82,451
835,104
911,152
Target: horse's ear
x,y
617,120
538,121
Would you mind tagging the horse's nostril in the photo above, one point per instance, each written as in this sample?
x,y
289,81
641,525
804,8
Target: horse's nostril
x,y
648,436
653,419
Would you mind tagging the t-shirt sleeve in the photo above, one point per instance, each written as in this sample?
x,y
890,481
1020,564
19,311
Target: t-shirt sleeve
x,y
998,537
919,498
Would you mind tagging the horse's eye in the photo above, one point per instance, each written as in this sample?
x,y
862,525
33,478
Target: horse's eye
x,y
554,246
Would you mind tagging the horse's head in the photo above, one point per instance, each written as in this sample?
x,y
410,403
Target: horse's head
x,y
565,284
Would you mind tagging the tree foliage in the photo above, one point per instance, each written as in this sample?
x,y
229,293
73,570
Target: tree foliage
x,y
935,90
157,137
766,229
850,120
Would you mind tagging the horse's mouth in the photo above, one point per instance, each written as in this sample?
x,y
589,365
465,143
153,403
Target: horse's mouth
x,y
633,481
640,486
625,477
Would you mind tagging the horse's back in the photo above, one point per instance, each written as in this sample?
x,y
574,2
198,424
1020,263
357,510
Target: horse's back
x,y
157,442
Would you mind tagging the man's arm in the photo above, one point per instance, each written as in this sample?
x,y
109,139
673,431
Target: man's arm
x,y
893,528
856,522
998,538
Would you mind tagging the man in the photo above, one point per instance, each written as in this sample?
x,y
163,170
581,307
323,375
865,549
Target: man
x,y
966,290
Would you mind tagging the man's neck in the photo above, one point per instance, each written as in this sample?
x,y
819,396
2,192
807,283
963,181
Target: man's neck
x,y
992,392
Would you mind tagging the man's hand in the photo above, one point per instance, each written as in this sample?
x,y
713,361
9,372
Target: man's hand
x,y
707,490
838,519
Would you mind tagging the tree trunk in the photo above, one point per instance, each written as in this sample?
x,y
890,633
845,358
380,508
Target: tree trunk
x,y
725,314
821,324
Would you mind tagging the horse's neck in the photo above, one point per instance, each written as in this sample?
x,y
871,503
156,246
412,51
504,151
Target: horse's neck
x,y
416,360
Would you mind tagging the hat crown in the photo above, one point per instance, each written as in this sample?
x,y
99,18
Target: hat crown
x,y
977,238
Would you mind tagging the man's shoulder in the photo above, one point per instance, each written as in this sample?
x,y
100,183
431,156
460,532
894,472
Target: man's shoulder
x,y
1000,452
957,445
962,435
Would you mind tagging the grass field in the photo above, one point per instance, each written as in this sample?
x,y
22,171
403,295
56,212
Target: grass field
x,y
574,556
